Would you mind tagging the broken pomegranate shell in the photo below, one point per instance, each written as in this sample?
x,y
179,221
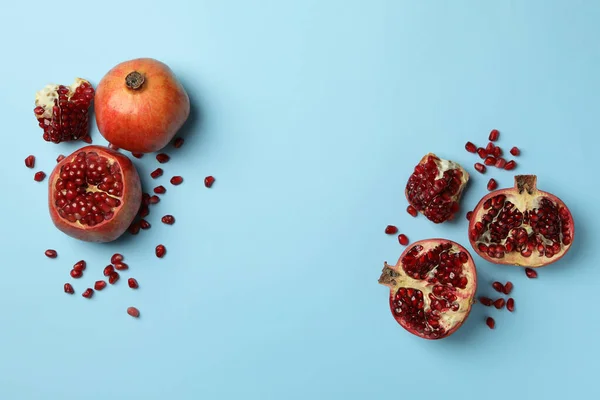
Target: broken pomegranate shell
x,y
521,226
94,194
432,287
435,188
62,111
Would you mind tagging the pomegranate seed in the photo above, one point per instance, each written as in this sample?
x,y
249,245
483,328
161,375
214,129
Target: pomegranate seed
x,y
39,176
168,219
208,181
489,160
494,134
391,230
144,224
112,146
508,287
515,151
480,168
481,152
412,211
176,180
470,147
498,287
134,228
51,253
109,269
403,239
178,142
144,210
79,266
30,162
99,285
499,303
160,251
160,190
134,312
510,165
132,283
121,266
490,148
60,158
116,258
156,173
492,184
87,139
486,301
497,152
145,198
510,304
154,199
162,158
68,288
469,215
89,292
137,155
490,322
113,278
500,162
531,274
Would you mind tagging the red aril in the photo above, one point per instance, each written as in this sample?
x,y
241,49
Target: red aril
x,y
497,152
176,180
99,285
113,147
30,161
512,164
531,274
87,139
156,173
486,301
508,287
500,162
391,230
51,253
412,211
160,251
431,287
489,160
79,265
137,155
470,147
113,277
168,219
94,194
494,134
160,190
482,153
121,266
469,215
60,158
162,158
489,149
68,288
154,199
76,274
490,322
480,168
134,312
88,293
492,184
116,258
208,181
403,239
140,105
132,283
515,151
499,303
510,304
498,287
109,269
145,224
39,176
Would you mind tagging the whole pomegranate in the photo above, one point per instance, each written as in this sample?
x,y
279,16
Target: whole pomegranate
x,y
431,287
140,105
94,194
521,225
435,187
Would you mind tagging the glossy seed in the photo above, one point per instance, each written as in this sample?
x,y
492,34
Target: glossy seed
x,y
391,230
208,181
39,176
403,239
470,147
68,288
498,287
160,251
99,285
480,168
486,301
162,158
134,312
132,283
500,162
51,253
492,184
109,269
508,287
80,265
469,215
412,211
176,180
160,190
489,160
121,266
515,151
30,161
531,274
156,173
494,134
113,278
510,165
499,303
89,292
168,219
116,258
510,304
490,322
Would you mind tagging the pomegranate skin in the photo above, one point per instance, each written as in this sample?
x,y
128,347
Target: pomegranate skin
x,y
140,115
131,199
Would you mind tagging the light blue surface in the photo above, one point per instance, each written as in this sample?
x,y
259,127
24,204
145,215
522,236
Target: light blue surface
x,y
311,114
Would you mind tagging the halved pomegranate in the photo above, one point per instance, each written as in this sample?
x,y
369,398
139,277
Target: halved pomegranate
x,y
94,194
521,225
435,187
431,287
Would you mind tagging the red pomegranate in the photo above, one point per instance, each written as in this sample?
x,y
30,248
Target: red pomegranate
x,y
94,194
521,225
435,187
431,287
140,105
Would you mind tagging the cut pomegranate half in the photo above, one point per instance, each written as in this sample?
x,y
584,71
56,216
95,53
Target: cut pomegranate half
x,y
431,287
521,226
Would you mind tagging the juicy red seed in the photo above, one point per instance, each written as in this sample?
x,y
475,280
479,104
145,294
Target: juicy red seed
x,y
68,288
121,266
470,147
87,139
51,253
132,283
113,278
498,287
116,258
76,274
403,239
168,219
391,230
490,148
39,176
510,165
134,312
481,152
412,211
480,167
486,301
489,160
492,184
490,322
160,190
145,198
500,162
160,251
178,142
109,269
497,152
154,199
80,265
510,304
515,151
162,158
469,215
499,303
30,162
89,292
508,287
112,146
531,274
176,180
60,158
156,173
99,285
145,224
134,228
137,155
494,134
208,181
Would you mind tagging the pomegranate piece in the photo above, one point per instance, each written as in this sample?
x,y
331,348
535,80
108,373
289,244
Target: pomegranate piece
x,y
160,190
531,273
88,293
39,176
490,322
469,215
60,158
62,111
431,287
494,135
521,225
489,160
492,184
470,147
168,219
68,288
94,194
176,180
156,173
154,199
500,162
512,164
412,211
403,239
160,251
113,277
144,224
134,228
87,139
132,283
113,147
508,287
116,258
391,230
498,287
497,152
109,269
510,304
486,301
208,181
435,188
482,153
30,161
515,151
137,155
79,265
162,158
134,312
51,253
480,168
99,285
499,303
121,266
178,142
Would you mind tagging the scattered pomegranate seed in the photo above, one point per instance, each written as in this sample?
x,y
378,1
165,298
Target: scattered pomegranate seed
x,y
144,224
515,151
145,198
510,304
154,199
178,142
160,190
391,230
510,165
486,301
132,283
144,211
480,168
109,269
160,251
176,180
403,239
134,228
60,158
470,147
79,265
116,258
481,152
134,312
500,162
162,158
498,287
113,278
499,303
137,155
99,285
412,211
490,322
30,162
494,134
89,292
208,181
497,152
508,287
121,266
68,288
489,148
112,146
168,219
489,160
87,139
51,253
531,274
156,173
492,184
39,176
469,215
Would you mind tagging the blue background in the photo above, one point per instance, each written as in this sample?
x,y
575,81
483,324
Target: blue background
x,y
311,114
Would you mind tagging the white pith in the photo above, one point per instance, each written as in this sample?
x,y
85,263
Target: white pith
x,y
47,95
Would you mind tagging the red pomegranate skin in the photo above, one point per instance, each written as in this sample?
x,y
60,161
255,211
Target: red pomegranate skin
x,y
142,119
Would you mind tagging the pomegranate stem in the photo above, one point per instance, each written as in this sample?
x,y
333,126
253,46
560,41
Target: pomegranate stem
x,y
134,80
387,275
526,182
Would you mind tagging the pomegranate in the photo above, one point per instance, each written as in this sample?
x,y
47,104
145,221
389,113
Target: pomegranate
x,y
208,181
435,187
521,225
431,287
94,194
62,111
140,105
